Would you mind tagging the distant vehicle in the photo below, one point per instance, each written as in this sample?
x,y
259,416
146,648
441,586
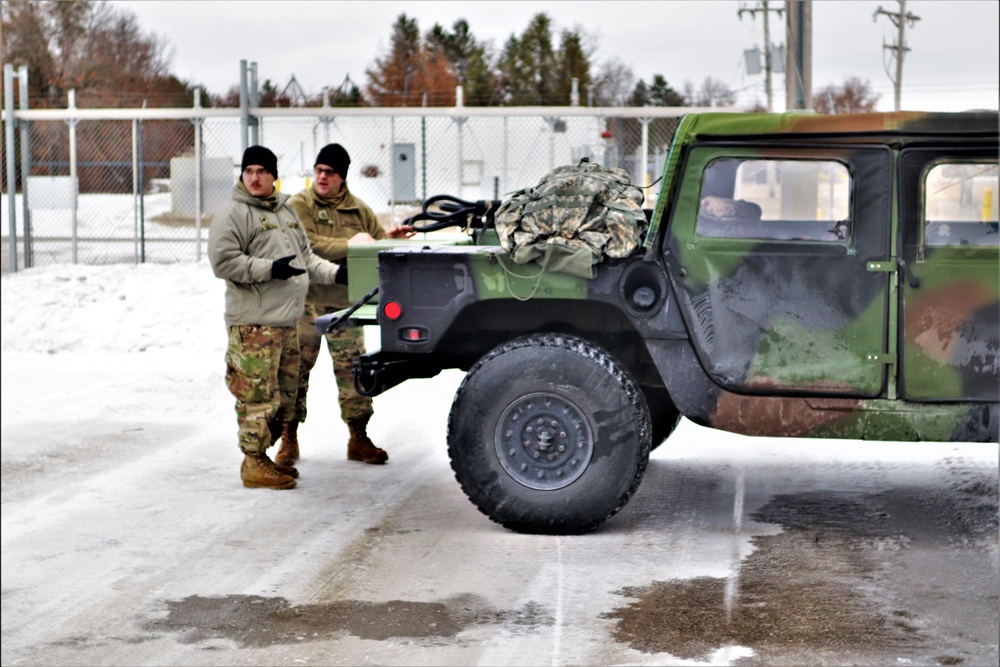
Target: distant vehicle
x,y
801,275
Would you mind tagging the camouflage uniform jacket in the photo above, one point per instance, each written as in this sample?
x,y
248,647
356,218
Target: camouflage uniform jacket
x,y
328,228
242,244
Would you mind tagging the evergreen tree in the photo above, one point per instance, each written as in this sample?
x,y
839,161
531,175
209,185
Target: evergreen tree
x,y
528,65
410,70
640,96
662,95
469,60
573,63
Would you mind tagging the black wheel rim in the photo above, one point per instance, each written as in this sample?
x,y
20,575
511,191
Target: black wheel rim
x,y
544,441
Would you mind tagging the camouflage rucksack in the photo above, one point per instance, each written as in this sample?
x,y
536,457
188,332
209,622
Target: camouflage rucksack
x,y
573,218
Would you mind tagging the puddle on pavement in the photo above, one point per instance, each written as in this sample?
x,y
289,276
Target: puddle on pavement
x,y
256,621
786,597
812,590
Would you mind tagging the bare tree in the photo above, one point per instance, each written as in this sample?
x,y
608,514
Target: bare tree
x,y
713,93
26,41
93,47
100,51
613,83
853,96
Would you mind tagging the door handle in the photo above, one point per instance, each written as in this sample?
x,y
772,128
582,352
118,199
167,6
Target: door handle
x,y
912,279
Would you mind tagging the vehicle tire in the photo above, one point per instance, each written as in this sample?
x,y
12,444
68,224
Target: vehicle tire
x,y
549,433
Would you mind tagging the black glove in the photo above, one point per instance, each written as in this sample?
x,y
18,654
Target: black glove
x,y
282,270
341,277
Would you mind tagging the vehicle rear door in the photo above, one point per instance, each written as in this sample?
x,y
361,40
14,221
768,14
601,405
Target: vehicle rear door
x,y
950,247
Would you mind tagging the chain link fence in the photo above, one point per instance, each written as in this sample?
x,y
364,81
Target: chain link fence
x,y
123,189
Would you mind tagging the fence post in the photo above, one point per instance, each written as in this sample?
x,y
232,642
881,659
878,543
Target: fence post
x,y
392,169
197,175
644,160
135,185
244,109
423,148
22,74
506,146
325,119
142,196
460,121
254,102
551,122
8,94
73,175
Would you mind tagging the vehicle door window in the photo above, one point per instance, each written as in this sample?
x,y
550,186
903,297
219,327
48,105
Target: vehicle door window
x,y
792,200
960,204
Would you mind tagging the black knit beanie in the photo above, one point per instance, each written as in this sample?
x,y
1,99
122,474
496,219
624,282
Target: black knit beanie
x,y
263,157
335,157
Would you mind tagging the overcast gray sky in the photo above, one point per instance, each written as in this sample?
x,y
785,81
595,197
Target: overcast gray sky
x,y
953,62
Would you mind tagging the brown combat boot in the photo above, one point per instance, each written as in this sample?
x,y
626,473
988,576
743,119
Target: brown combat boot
x,y
289,452
360,447
258,472
291,471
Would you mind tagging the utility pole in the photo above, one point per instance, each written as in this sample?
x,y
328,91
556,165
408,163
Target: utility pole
x,y
798,54
767,45
899,19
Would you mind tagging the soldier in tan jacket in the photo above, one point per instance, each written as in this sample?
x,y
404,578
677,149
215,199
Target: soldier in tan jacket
x,y
252,246
334,219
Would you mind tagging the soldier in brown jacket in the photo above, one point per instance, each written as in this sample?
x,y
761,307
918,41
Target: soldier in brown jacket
x,y
333,219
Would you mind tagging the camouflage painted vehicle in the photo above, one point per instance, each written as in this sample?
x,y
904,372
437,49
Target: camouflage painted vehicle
x,y
801,275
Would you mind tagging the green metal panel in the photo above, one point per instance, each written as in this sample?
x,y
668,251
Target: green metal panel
x,y
362,260
496,276
363,316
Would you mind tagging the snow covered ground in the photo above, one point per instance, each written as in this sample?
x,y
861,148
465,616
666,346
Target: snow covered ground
x,y
122,511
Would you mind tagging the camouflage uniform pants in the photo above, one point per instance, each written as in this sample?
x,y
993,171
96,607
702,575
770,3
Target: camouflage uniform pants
x,y
262,370
345,346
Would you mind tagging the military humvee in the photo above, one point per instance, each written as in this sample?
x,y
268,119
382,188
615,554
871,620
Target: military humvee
x,y
801,275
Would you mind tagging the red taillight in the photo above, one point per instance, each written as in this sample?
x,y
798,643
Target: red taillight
x,y
392,310
414,335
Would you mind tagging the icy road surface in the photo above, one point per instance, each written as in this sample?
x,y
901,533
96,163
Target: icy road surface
x,y
127,538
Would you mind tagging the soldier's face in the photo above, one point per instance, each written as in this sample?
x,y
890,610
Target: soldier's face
x,y
328,181
258,181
